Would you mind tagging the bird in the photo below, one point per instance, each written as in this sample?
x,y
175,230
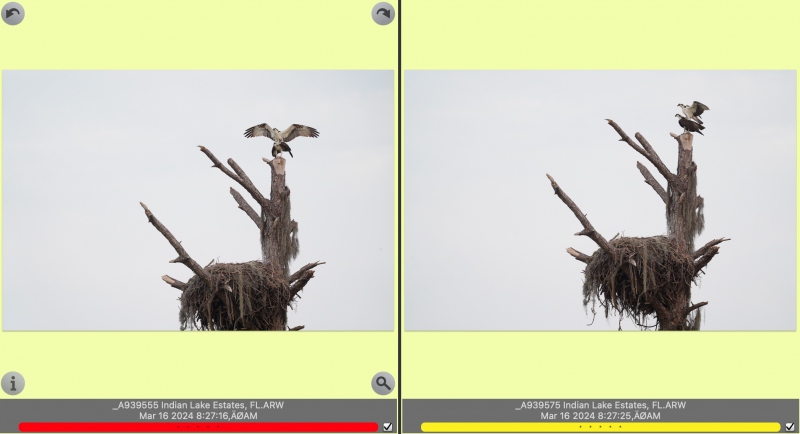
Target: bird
x,y
690,125
281,137
694,111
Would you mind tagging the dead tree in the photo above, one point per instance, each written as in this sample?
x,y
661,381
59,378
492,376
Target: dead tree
x,y
641,277
254,295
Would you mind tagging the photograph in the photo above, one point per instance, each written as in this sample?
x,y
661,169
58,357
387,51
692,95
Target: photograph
x,y
198,200
600,200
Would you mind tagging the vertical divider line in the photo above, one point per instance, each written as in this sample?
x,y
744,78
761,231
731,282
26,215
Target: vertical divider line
x,y
399,387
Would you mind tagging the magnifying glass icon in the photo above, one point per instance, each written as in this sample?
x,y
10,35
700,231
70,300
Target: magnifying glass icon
x,y
381,382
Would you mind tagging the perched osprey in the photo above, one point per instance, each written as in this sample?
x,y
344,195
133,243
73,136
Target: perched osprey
x,y
690,125
694,111
281,137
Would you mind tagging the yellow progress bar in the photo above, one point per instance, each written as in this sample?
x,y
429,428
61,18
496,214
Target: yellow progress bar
x,y
601,427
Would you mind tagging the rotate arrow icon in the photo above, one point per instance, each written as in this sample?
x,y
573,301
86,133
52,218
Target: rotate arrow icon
x,y
8,12
384,11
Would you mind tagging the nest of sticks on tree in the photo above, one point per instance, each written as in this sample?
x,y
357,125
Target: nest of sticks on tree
x,y
248,296
643,270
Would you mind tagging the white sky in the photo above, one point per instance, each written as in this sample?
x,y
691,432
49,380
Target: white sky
x,y
485,236
82,148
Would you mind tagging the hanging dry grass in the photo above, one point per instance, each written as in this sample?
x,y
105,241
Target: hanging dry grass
x,y
643,271
248,296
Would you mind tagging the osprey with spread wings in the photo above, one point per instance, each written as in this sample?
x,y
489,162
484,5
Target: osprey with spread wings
x,y
281,137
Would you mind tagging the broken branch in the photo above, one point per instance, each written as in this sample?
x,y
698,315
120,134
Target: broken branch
x,y
648,179
689,309
703,250
296,275
579,256
647,151
300,283
588,229
243,181
705,259
173,282
183,256
244,206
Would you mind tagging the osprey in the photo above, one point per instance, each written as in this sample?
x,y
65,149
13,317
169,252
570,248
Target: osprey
x,y
694,111
281,137
689,125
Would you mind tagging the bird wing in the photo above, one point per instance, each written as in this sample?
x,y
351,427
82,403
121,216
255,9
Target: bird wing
x,y
259,130
699,108
297,131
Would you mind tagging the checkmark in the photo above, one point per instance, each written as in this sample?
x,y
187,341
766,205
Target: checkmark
x,y
387,426
789,426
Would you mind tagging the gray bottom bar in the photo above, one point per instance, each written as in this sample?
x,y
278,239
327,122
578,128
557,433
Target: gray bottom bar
x,y
417,411
14,411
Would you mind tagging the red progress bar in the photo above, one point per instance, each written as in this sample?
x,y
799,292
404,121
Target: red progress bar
x,y
198,427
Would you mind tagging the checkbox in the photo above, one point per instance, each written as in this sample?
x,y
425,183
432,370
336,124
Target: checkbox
x,y
387,426
789,426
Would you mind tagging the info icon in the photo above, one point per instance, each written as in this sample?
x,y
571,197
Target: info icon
x,y
12,383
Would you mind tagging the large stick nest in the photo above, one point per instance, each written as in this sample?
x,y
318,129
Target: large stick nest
x,y
248,296
641,272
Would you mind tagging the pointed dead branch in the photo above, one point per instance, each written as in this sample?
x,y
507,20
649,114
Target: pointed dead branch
x,y
588,229
689,309
703,250
646,150
296,275
648,179
705,258
244,206
174,282
298,285
243,181
656,159
183,256
294,329
247,182
579,256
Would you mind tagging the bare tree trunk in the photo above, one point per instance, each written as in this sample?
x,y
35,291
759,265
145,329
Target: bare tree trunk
x,y
279,242
681,200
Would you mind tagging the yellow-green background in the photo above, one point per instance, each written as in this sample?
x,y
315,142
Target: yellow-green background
x,y
610,35
323,34
146,35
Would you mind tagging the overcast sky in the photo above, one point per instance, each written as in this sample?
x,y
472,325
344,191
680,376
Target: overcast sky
x,y
485,236
81,149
